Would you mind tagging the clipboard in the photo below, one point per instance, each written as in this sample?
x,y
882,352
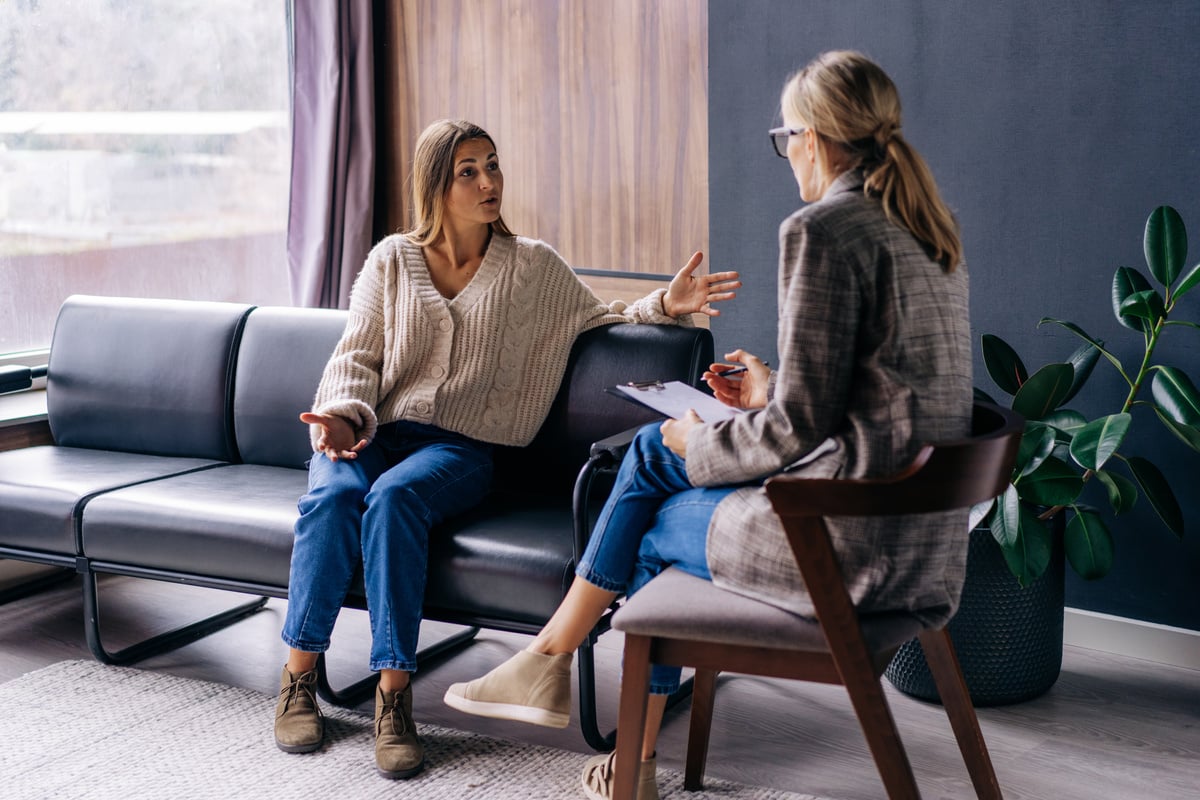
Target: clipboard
x,y
674,398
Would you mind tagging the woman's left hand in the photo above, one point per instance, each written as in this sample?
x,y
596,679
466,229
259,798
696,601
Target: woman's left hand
x,y
675,432
695,294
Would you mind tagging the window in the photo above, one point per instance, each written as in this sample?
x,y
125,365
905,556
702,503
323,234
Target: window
x,y
144,151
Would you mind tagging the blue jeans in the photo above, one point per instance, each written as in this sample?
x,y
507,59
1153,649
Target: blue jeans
x,y
375,512
653,519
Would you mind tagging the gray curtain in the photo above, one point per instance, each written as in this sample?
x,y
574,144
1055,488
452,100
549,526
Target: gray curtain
x,y
333,150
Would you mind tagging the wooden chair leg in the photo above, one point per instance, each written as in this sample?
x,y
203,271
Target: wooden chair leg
x,y
631,718
956,699
883,740
704,691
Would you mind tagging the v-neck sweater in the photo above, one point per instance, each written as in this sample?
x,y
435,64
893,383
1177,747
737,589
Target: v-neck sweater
x,y
486,363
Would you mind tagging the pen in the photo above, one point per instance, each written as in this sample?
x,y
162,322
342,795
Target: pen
x,y
739,370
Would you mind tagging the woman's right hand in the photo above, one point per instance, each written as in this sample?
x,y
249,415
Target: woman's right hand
x,y
748,389
337,436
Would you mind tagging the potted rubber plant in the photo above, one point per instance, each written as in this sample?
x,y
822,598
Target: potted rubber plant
x,y
1012,605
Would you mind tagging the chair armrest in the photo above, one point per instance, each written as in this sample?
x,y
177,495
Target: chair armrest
x,y
612,449
16,377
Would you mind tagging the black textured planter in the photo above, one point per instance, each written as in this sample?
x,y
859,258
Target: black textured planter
x,y
1009,639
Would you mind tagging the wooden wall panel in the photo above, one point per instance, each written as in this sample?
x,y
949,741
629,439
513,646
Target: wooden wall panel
x,y
599,111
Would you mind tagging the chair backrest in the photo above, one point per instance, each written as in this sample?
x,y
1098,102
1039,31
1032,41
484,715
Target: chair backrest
x,y
583,412
144,376
279,364
942,476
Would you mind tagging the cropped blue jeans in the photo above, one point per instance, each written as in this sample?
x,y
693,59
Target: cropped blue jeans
x,y
653,519
375,512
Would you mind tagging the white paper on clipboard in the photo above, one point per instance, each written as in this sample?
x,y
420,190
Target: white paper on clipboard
x,y
674,398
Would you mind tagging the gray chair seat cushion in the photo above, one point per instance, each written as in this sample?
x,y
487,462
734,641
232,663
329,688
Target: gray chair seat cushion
x,y
41,487
679,605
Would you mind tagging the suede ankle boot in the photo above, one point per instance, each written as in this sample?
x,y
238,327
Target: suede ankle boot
x,y
599,775
529,687
299,727
398,751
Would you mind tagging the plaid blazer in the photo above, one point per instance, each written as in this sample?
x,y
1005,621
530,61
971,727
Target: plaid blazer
x,y
875,361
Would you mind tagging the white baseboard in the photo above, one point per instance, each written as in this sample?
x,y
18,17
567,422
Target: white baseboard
x,y
1130,637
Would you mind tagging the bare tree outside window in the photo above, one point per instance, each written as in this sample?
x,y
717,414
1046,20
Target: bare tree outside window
x,y
144,151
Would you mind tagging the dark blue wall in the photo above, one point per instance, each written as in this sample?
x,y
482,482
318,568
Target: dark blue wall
x,y
1053,128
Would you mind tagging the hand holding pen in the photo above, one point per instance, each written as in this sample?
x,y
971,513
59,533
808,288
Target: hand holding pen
x,y
747,390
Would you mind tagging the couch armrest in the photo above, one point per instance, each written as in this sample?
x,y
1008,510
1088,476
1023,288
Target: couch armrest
x,y
611,450
14,378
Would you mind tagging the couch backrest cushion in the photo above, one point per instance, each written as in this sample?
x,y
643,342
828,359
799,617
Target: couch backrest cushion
x,y
583,412
143,376
280,360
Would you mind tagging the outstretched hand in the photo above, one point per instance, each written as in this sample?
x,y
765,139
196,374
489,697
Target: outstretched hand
x,y
337,436
689,293
748,389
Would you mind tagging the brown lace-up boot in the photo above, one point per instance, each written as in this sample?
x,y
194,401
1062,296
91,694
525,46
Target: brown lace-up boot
x,y
299,726
398,751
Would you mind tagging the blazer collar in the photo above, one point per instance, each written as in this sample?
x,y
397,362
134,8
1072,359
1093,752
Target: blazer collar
x,y
849,181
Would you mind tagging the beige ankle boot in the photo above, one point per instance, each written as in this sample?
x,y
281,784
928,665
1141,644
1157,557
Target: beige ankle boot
x,y
599,775
529,687
398,751
299,727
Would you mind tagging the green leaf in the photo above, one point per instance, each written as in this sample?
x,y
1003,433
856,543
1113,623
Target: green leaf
x,y
1158,492
1089,545
1126,282
1037,442
1189,281
1029,555
1095,442
1122,492
1006,519
1084,361
1082,334
1054,483
979,512
1003,364
1146,305
1165,244
1188,434
1044,391
1065,420
1176,395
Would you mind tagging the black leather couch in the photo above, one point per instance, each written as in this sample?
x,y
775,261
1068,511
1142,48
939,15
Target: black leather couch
x,y
178,456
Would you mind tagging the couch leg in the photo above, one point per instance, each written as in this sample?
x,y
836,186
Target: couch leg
x,y
163,642
361,690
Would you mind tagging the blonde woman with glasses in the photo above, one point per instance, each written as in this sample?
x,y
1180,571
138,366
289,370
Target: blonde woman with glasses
x,y
875,360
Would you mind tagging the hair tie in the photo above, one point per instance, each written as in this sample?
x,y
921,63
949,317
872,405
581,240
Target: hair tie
x,y
885,132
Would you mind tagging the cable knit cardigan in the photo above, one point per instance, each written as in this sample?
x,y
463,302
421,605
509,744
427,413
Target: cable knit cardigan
x,y
486,364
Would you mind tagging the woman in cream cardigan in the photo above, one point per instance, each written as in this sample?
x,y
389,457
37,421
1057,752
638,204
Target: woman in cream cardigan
x,y
457,338
875,361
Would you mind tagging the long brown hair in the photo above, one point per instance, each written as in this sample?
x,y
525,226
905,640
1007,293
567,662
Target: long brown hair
x,y
849,101
432,174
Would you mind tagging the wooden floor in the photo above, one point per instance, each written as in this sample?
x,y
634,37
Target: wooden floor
x,y
1112,727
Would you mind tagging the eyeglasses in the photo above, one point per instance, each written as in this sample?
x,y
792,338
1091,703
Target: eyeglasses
x,y
779,138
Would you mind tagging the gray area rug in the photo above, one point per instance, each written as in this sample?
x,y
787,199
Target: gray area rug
x,y
79,729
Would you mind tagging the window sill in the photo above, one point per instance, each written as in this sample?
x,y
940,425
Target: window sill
x,y
23,420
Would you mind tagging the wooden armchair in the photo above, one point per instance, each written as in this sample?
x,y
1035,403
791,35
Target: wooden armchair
x,y
686,621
